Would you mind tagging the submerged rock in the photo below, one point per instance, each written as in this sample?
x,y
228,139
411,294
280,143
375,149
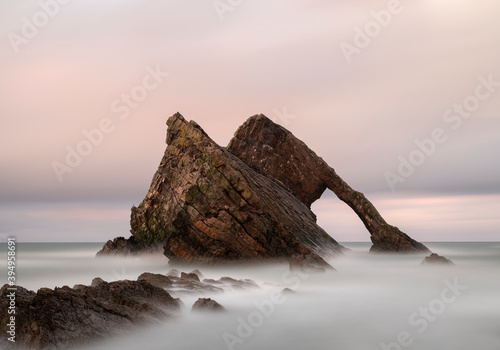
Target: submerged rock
x,y
190,276
63,318
156,279
287,292
307,263
205,205
179,286
275,151
207,304
436,259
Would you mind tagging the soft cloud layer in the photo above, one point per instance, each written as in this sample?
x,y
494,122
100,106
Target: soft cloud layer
x,y
266,56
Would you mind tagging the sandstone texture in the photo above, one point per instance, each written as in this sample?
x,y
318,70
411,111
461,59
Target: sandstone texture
x,y
63,318
205,205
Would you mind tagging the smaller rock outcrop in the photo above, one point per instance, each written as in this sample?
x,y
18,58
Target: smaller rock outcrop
x,y
97,281
435,259
127,246
190,276
158,280
207,304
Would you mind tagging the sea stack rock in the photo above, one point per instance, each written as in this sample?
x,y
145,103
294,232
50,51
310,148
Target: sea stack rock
x,y
207,304
276,152
205,205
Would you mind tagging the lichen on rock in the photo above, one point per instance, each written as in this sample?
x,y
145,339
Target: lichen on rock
x,y
205,205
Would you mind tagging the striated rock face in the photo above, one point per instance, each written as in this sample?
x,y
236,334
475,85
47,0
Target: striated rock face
x,y
274,151
207,304
205,205
64,317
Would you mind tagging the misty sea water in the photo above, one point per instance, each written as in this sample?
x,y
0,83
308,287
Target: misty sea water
x,y
370,302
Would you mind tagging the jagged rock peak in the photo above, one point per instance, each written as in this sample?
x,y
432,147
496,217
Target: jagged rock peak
x,y
183,132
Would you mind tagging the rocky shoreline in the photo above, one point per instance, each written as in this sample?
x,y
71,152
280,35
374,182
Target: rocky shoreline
x,y
62,318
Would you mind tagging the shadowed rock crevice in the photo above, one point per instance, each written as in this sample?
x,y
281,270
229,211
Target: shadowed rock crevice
x,y
274,151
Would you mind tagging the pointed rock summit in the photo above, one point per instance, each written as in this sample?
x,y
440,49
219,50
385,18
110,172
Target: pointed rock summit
x,y
205,205
249,202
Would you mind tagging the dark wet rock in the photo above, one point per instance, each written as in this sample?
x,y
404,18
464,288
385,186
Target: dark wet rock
x,y
207,304
129,246
174,273
307,263
63,318
212,281
198,273
187,284
206,206
190,276
275,151
120,246
436,259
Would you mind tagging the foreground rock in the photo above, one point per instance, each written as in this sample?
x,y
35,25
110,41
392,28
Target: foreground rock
x,y
275,151
436,260
205,205
63,318
207,304
129,246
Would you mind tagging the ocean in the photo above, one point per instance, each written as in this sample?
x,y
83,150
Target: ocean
x,y
371,302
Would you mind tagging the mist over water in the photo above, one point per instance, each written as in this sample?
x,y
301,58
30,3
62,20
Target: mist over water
x,y
370,302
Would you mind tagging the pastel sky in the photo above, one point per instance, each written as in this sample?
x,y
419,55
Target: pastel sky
x,y
362,94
